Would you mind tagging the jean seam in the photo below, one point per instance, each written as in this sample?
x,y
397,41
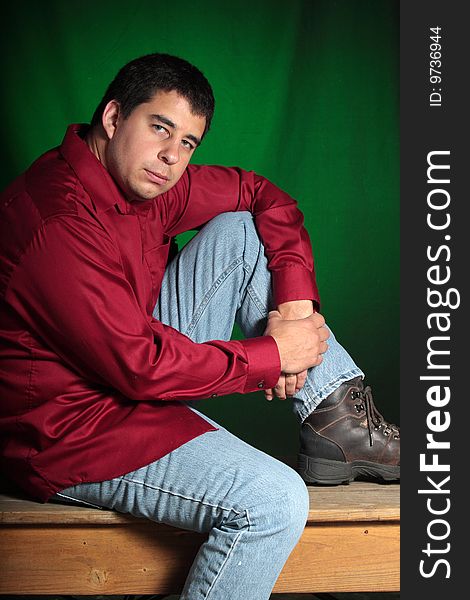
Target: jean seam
x,y
248,268
227,556
77,501
210,293
179,495
256,301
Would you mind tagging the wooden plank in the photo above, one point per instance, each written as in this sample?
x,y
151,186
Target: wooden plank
x,y
145,558
346,557
359,501
95,560
14,511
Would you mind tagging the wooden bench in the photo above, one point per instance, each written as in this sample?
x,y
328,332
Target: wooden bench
x,y
351,543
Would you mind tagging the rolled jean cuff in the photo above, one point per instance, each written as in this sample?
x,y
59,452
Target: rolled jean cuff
x,y
307,400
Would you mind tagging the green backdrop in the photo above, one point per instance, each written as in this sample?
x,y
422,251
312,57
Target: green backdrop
x,y
307,95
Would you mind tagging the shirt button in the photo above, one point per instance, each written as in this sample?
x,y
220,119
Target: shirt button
x,y
214,396
261,384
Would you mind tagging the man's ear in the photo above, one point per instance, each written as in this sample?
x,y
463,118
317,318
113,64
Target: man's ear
x,y
110,117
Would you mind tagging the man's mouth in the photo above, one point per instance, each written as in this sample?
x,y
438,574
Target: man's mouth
x,y
156,177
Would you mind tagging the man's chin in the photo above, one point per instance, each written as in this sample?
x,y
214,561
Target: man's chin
x,y
148,194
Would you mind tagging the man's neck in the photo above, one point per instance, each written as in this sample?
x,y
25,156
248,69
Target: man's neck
x,y
96,141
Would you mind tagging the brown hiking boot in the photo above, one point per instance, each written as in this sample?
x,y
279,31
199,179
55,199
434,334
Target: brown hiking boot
x,y
346,437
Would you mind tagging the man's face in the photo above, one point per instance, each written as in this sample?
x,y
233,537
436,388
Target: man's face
x,y
148,152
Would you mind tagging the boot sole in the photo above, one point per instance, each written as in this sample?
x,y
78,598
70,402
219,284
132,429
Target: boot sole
x,y
333,472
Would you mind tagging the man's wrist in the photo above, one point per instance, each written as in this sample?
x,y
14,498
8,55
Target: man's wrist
x,y
296,309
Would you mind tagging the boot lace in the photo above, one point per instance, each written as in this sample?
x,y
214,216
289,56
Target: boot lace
x,y
375,420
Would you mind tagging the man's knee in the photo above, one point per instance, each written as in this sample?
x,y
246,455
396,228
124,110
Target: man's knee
x,y
237,218
295,504
235,234
236,226
284,504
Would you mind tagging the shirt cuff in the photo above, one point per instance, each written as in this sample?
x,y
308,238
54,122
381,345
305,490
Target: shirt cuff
x,y
295,283
264,363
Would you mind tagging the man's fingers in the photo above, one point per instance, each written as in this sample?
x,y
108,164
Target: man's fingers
x,y
301,378
288,385
318,319
280,389
291,382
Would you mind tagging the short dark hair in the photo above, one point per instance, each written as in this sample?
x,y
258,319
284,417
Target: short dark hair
x,y
139,80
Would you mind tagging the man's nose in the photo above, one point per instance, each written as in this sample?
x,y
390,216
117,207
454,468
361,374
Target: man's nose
x,y
170,152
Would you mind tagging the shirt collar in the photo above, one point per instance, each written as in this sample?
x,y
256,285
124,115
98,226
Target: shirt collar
x,y
96,180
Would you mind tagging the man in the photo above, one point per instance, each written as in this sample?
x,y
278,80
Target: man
x,y
98,376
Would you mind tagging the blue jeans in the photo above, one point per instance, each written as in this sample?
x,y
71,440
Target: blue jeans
x,y
252,506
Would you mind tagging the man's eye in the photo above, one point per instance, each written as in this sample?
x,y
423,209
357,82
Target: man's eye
x,y
188,145
159,128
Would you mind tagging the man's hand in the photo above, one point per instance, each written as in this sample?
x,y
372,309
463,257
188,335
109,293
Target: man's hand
x,y
293,383
288,386
301,342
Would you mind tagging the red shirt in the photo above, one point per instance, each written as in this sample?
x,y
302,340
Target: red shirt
x,y
91,384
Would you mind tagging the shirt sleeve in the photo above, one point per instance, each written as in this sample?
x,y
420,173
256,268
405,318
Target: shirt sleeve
x,y
70,288
206,191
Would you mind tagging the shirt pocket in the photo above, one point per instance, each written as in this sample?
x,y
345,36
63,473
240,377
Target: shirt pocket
x,y
156,259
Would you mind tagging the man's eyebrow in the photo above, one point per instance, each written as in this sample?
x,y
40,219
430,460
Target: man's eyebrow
x,y
164,119
170,123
